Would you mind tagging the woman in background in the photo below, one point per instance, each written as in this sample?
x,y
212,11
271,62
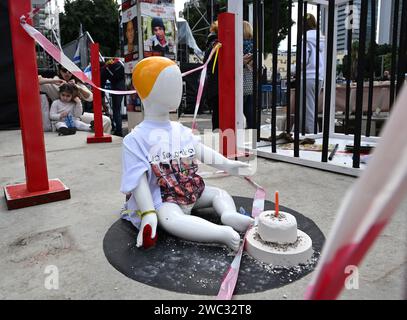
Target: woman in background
x,y
212,91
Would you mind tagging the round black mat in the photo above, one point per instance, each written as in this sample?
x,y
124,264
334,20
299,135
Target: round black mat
x,y
195,268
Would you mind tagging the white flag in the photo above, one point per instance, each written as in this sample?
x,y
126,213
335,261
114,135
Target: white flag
x,y
77,56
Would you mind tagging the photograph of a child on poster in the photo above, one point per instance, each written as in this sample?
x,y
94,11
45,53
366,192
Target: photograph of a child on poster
x,y
130,40
158,37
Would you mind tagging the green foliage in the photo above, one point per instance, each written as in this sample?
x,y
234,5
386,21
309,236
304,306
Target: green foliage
x,y
193,17
99,17
382,52
284,24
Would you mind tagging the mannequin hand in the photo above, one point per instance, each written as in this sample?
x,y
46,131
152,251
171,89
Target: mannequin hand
x,y
239,168
149,222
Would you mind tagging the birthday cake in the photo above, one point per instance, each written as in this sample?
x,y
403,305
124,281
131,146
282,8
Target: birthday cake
x,y
277,241
280,229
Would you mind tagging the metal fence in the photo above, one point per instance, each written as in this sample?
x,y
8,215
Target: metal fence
x,y
357,112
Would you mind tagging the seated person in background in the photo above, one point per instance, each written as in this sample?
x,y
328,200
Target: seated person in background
x,y
55,81
52,91
67,108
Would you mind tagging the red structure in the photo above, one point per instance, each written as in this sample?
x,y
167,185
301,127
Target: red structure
x,y
37,189
99,136
227,117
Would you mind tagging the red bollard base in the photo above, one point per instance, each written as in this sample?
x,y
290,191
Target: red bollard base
x,y
242,156
17,196
95,139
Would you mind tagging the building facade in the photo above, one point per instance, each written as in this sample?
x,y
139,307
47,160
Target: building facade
x,y
47,22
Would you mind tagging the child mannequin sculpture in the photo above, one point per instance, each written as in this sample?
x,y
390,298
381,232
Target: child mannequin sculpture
x,y
159,167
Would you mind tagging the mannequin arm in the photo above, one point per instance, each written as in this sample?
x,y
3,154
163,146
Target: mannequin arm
x,y
145,203
215,159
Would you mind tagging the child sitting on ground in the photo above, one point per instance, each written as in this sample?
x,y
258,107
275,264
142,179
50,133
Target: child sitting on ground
x,y
66,110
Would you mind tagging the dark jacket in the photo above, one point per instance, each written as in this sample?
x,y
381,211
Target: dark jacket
x,y
211,78
114,72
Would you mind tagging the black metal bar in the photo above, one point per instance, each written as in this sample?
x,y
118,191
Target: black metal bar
x,y
328,80
298,80
261,49
288,117
402,64
349,74
372,65
317,70
360,84
256,105
394,46
304,71
274,26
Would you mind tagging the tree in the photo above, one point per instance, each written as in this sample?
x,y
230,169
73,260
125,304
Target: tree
x,y
194,19
99,17
284,24
381,52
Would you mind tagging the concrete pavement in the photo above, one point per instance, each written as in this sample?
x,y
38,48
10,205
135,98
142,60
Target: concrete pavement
x,y
69,234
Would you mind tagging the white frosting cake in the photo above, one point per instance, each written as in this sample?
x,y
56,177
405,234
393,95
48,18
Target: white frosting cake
x,y
281,229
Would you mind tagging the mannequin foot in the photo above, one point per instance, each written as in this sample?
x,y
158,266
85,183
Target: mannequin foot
x,y
237,221
231,238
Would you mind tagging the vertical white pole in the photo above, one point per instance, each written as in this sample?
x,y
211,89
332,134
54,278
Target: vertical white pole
x,y
251,13
236,7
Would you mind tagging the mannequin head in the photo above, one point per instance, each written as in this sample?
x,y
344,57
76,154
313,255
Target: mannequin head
x,y
158,82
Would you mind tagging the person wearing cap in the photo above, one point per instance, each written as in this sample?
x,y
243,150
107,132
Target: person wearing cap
x,y
158,42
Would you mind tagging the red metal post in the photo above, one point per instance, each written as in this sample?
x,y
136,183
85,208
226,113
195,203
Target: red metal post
x,y
29,104
37,189
226,67
97,98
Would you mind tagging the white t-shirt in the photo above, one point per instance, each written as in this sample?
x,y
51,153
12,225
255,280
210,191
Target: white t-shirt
x,y
166,152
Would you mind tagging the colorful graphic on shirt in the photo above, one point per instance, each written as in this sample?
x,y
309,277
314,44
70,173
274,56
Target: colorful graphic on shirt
x,y
179,183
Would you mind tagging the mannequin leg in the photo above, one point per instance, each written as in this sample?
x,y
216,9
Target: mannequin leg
x,y
175,222
225,207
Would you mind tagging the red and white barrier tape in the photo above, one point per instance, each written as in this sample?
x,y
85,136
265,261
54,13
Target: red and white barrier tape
x,y
229,282
367,208
62,59
34,11
201,83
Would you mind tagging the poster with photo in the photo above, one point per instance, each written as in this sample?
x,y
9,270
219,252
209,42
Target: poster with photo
x,y
158,30
130,32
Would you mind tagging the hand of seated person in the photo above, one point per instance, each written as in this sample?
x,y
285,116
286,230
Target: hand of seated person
x,y
247,58
63,115
58,82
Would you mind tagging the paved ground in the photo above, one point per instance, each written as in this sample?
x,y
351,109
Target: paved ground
x,y
69,234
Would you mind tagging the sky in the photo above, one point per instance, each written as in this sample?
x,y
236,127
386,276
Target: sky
x,y
310,9
179,5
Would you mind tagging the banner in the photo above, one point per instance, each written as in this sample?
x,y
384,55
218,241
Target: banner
x,y
130,33
158,29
